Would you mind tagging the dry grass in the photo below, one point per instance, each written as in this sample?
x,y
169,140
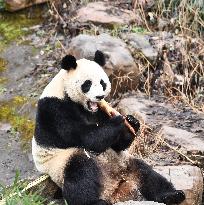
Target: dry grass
x,y
178,72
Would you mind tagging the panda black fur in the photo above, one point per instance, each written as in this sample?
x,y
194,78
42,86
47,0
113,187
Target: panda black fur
x,y
81,148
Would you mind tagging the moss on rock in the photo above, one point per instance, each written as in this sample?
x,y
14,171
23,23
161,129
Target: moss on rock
x,y
12,27
20,123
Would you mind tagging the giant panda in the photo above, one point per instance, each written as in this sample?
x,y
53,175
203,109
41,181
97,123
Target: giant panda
x,y
83,150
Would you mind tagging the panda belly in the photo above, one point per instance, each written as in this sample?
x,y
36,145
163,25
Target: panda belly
x,y
118,183
52,161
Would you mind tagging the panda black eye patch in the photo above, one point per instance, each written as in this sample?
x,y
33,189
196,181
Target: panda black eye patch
x,y
85,87
103,85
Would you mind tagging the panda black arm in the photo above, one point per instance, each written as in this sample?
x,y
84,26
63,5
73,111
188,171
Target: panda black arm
x,y
91,137
113,130
126,137
124,141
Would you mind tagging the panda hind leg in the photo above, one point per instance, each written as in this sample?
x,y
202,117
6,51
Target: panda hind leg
x,y
101,202
153,186
172,197
82,181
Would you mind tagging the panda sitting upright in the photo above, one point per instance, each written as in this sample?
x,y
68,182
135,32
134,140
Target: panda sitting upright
x,y
81,148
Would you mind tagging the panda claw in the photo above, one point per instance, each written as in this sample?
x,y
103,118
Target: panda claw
x,y
133,122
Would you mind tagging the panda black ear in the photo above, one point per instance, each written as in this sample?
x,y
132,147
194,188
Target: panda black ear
x,y
100,58
68,62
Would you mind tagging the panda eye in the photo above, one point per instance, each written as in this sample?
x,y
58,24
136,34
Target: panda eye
x,y
103,85
85,87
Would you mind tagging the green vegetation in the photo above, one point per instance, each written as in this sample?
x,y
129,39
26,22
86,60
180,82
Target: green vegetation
x,y
2,5
117,30
14,195
3,64
20,123
188,14
3,81
12,27
138,29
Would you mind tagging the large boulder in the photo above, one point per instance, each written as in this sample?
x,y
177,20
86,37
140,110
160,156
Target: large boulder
x,y
190,141
120,65
102,13
14,5
178,124
139,203
187,178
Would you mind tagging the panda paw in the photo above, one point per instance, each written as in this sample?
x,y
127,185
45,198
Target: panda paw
x,y
133,122
117,120
169,198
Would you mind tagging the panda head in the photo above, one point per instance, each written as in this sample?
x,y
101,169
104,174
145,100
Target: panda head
x,y
85,81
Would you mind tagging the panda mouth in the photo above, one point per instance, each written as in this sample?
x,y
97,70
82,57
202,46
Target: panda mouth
x,y
93,106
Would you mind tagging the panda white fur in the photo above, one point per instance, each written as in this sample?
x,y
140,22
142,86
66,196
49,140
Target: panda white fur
x,y
81,148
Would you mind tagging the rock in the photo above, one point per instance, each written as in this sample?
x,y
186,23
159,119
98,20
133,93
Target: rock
x,y
162,24
120,65
165,39
184,177
179,124
105,14
14,5
132,105
190,141
13,158
187,178
21,62
139,203
141,42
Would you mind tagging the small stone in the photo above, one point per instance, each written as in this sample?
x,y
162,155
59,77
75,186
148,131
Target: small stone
x,y
64,5
42,52
50,69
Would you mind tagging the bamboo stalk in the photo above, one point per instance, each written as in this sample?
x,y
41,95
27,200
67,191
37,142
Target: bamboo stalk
x,y
29,186
112,112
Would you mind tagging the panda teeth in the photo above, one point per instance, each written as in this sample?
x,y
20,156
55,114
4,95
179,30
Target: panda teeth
x,y
93,106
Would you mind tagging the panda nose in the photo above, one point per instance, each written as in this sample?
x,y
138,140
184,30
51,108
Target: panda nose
x,y
99,97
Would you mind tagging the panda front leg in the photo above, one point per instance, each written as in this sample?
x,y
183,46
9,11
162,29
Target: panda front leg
x,y
82,182
153,186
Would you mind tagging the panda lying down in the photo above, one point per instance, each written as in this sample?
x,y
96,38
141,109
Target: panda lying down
x,y
81,148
